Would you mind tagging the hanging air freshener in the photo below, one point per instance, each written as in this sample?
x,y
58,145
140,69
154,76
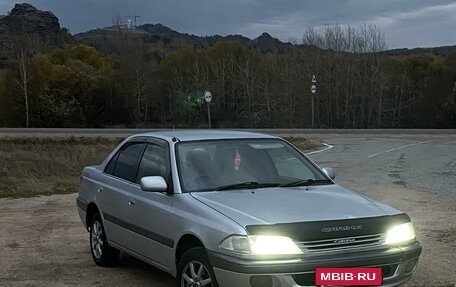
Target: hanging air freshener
x,y
237,161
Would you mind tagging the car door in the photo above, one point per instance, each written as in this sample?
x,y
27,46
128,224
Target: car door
x,y
113,195
151,212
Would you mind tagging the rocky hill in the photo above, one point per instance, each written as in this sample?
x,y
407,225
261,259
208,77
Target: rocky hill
x,y
25,23
105,39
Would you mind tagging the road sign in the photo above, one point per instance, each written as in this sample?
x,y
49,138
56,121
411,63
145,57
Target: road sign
x,y
207,96
313,89
314,80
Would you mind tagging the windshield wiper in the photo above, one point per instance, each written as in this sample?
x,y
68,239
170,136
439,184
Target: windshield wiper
x,y
305,182
246,185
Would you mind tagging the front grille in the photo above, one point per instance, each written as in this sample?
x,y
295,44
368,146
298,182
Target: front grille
x,y
335,244
308,279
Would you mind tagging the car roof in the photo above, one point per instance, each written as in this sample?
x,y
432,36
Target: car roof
x,y
194,135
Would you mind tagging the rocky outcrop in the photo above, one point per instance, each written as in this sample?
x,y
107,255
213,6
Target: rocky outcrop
x,y
267,43
27,23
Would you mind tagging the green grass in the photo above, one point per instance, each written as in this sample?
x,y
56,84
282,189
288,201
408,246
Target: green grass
x,y
31,166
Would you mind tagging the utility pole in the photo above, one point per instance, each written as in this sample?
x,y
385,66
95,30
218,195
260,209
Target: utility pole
x,y
313,90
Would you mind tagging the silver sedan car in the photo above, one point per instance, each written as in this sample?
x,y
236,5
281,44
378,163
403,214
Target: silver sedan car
x,y
223,208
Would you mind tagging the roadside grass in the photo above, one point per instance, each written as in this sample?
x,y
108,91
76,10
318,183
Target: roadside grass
x,y
31,166
302,143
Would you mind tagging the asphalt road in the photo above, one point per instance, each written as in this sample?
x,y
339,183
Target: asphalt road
x,y
423,163
78,131
415,174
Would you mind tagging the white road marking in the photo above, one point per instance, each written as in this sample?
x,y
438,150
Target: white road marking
x,y
397,148
328,146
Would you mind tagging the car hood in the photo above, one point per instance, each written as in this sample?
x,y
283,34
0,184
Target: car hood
x,y
293,204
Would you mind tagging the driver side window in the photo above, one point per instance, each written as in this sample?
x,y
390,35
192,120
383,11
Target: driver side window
x,y
289,166
155,162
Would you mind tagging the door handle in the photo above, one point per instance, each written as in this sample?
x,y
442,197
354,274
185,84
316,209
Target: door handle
x,y
131,202
100,189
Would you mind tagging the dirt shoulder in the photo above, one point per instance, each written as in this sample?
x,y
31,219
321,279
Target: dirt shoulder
x,y
43,243
434,218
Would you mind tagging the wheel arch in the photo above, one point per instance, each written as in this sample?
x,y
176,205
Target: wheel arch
x,y
186,242
92,209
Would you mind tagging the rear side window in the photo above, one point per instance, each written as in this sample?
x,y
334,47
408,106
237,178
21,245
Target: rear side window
x,y
112,164
128,160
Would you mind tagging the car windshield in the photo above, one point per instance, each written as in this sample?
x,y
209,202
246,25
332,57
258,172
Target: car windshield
x,y
243,163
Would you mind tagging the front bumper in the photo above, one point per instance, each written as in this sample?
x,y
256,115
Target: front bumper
x,y
398,264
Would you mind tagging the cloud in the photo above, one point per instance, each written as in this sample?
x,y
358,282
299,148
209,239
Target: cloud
x,y
434,13
427,26
5,6
401,20
419,23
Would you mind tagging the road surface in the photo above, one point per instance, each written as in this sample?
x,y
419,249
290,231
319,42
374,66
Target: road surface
x,y
424,163
44,244
125,132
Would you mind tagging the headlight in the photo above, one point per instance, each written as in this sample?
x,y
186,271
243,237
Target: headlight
x,y
271,245
261,245
400,233
237,243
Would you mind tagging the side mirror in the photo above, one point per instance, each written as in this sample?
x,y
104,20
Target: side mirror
x,y
329,172
154,184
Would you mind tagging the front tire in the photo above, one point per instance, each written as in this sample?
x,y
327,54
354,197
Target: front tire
x,y
102,254
195,270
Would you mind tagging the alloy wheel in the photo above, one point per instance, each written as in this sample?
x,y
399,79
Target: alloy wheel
x,y
97,239
195,274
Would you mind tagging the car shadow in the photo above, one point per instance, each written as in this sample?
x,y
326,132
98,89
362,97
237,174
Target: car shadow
x,y
145,272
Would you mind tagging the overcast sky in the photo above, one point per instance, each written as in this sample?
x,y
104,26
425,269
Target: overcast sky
x,y
406,23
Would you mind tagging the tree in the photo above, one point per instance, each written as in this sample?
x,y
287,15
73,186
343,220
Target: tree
x,y
144,83
24,80
23,47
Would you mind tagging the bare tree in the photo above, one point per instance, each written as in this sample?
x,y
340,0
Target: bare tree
x,y
24,81
22,47
349,65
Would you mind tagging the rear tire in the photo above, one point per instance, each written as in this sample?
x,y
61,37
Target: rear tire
x,y
102,254
194,269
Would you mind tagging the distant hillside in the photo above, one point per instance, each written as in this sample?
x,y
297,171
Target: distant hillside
x,y
105,39
444,51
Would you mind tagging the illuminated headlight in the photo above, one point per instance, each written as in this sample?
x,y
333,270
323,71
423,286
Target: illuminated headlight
x,y
261,245
400,233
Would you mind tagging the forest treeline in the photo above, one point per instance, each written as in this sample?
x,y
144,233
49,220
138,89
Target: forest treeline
x,y
142,85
